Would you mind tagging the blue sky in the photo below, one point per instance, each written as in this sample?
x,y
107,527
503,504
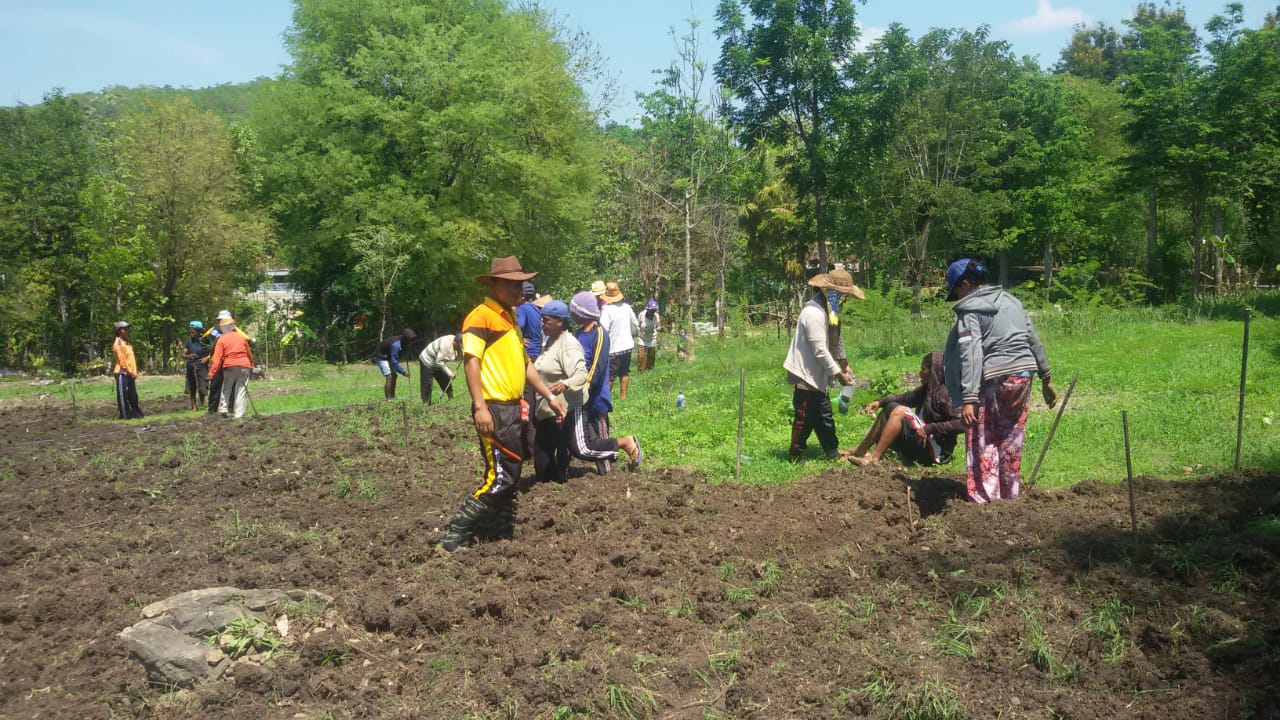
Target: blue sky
x,y
86,45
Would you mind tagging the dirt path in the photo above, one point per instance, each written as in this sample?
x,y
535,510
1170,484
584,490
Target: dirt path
x,y
649,594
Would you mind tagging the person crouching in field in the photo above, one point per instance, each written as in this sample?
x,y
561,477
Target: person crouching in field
x,y
920,424
990,355
234,359
496,367
434,361
815,359
127,407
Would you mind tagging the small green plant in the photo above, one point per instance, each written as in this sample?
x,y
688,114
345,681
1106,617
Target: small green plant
x,y
957,633
726,571
1037,644
725,662
878,687
153,492
248,634
342,488
630,702
739,595
1107,622
932,700
305,608
335,657
633,601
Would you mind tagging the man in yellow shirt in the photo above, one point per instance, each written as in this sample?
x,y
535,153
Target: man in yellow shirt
x,y
496,367
126,374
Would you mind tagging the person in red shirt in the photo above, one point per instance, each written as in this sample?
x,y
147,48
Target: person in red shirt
x,y
234,359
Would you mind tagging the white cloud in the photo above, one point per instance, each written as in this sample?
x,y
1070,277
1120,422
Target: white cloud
x,y
125,35
869,35
1048,18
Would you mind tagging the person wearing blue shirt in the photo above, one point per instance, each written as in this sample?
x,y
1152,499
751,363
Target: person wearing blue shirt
x,y
387,358
529,318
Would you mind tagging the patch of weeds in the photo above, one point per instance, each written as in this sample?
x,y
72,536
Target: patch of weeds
x,y
769,580
686,607
726,571
335,657
932,700
644,662
355,424
1181,560
739,594
725,662
238,531
248,634
630,702
342,488
1037,644
1107,622
1230,580
633,601
878,687
368,490
153,492
304,608
97,459
958,632
7,475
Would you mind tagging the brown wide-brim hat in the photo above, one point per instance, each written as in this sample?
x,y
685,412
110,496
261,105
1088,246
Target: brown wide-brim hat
x,y
507,268
840,281
612,293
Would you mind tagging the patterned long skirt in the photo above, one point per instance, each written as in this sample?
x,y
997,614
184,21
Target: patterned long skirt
x,y
993,447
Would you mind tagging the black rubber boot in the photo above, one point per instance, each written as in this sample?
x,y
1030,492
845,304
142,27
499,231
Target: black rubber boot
x,y
504,520
461,533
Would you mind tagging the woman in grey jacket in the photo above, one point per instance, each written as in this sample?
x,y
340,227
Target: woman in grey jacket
x,y
989,358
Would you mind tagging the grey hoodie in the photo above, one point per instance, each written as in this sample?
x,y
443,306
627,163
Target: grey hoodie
x,y
993,337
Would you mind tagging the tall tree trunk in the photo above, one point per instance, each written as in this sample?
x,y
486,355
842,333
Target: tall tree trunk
x,y
1151,237
922,251
1197,247
1048,266
1220,247
1002,261
688,263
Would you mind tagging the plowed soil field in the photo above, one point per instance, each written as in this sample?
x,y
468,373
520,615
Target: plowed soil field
x,y
857,592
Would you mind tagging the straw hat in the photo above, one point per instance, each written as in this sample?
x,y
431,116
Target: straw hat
x,y
840,281
612,293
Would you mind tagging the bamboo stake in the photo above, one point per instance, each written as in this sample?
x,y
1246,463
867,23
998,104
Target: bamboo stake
x,y
408,465
742,391
1036,470
1128,464
1244,367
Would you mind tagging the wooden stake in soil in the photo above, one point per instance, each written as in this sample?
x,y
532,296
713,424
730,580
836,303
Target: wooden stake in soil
x,y
1244,367
742,392
75,411
1054,428
1128,464
408,465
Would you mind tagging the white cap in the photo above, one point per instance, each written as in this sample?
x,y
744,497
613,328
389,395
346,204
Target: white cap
x,y
223,315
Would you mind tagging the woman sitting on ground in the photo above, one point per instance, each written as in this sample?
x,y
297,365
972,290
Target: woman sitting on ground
x,y
925,435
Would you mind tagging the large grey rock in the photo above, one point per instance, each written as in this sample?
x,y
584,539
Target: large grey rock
x,y
169,639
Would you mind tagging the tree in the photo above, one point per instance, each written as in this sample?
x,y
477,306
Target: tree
x,y
943,132
1160,51
785,71
203,240
696,150
453,121
1094,52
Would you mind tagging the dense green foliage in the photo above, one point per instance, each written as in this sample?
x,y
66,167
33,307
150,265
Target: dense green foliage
x,y
409,141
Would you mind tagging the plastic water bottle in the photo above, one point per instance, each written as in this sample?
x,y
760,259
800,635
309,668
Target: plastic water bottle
x,y
846,397
679,401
